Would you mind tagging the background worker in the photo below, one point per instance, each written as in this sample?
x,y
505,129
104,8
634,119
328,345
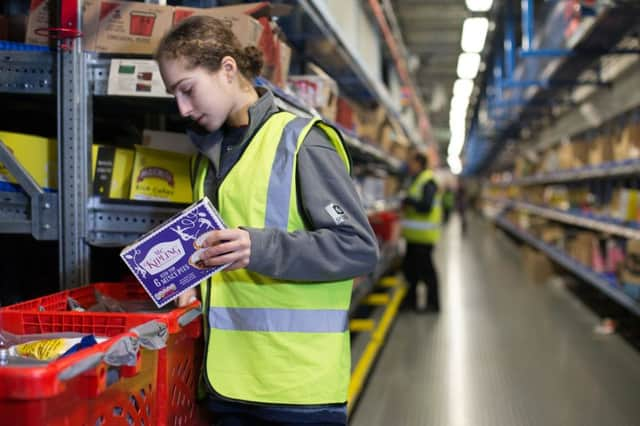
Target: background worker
x,y
276,320
421,228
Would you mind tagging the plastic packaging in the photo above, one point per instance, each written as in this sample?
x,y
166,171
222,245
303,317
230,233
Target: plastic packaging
x,y
45,350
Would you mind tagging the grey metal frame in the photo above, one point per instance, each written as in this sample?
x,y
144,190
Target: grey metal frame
x,y
41,219
74,124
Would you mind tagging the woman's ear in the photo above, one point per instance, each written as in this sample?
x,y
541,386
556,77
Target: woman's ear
x,y
229,67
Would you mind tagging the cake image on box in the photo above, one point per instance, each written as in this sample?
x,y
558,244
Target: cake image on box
x,y
161,260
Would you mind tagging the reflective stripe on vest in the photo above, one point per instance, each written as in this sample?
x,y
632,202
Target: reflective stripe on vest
x,y
271,340
279,320
422,228
281,174
419,224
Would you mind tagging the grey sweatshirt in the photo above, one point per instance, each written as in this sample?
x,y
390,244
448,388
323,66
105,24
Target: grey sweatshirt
x,y
339,242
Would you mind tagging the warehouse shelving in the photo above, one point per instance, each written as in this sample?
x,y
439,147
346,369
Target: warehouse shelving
x,y
78,80
605,224
606,285
341,60
548,66
606,170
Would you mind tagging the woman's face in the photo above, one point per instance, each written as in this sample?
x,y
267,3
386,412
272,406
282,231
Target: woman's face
x,y
205,97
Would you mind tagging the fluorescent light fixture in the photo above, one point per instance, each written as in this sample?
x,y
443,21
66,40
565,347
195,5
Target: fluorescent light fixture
x,y
479,5
455,144
474,34
459,105
454,164
468,65
462,88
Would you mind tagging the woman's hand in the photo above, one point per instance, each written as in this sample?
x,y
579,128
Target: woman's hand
x,y
232,246
187,298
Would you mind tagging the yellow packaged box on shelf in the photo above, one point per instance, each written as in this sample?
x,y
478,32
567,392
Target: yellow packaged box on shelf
x,y
111,170
161,176
38,155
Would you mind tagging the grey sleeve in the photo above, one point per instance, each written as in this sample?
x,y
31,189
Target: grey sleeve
x,y
340,243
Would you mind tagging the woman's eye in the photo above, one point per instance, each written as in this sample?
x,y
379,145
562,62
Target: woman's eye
x,y
186,91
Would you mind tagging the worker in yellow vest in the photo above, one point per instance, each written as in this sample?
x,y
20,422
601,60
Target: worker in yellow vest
x,y
277,348
421,229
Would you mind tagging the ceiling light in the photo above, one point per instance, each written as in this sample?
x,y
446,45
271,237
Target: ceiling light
x,y
454,164
459,104
462,88
479,5
474,34
468,64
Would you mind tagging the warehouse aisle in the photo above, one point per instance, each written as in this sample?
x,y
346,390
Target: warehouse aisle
x,y
504,351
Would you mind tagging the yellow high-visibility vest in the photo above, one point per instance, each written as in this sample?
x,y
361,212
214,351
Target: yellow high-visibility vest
x,y
422,228
270,340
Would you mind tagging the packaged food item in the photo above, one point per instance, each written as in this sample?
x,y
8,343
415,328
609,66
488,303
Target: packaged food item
x,y
111,170
161,176
165,260
38,156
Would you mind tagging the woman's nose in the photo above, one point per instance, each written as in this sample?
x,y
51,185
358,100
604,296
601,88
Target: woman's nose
x,y
184,106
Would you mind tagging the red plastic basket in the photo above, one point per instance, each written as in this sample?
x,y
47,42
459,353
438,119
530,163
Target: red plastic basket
x,y
178,364
80,389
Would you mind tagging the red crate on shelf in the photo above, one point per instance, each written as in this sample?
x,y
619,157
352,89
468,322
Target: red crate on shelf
x,y
386,225
179,363
80,389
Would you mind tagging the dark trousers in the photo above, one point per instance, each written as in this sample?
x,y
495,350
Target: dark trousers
x,y
418,266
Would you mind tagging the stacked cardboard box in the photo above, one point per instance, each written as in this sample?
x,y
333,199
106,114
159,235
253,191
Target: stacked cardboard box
x,y
628,145
114,26
317,89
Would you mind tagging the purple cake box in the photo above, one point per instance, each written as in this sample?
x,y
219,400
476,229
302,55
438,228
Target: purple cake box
x,y
160,259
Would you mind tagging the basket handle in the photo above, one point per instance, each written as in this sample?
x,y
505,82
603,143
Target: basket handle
x,y
189,316
81,366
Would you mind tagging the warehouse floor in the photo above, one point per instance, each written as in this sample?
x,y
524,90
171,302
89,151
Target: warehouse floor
x,y
503,351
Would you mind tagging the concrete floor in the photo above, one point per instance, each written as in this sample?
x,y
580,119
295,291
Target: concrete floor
x,y
503,351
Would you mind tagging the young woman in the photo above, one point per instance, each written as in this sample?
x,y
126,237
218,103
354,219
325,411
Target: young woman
x,y
276,320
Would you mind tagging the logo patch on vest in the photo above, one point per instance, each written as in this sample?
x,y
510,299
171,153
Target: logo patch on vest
x,y
336,212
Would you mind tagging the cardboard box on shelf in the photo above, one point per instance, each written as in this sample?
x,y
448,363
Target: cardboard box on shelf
x,y
168,141
41,16
580,247
39,157
400,151
261,9
536,265
391,186
628,146
127,27
552,234
111,169
161,176
600,151
572,155
115,26
630,273
386,138
317,90
285,63
244,27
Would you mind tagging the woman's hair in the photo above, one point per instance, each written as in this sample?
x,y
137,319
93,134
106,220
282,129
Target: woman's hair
x,y
204,41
